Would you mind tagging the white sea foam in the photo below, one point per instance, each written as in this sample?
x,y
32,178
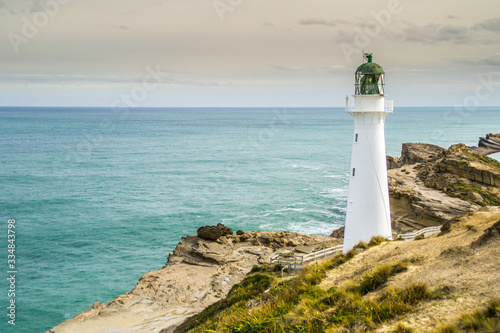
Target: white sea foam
x,y
335,193
289,209
345,176
308,167
314,227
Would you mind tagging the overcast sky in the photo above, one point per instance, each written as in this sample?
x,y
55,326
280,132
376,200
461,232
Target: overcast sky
x,y
246,52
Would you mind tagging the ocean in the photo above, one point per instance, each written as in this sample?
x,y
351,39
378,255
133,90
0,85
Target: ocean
x,y
98,197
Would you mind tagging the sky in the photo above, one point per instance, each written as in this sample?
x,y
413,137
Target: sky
x,y
246,53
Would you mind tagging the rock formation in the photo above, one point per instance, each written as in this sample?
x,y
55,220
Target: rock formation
x,y
430,185
459,164
488,145
338,233
198,273
412,153
211,232
415,206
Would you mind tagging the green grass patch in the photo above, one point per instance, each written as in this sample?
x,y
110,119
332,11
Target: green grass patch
x,y
378,277
489,198
350,309
470,156
251,287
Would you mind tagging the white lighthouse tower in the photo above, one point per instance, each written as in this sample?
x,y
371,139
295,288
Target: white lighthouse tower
x,y
368,209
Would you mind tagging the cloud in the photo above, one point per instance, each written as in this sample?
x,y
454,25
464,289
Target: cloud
x,y
336,69
121,27
437,33
286,68
58,79
447,33
492,25
493,60
451,17
44,79
407,70
311,21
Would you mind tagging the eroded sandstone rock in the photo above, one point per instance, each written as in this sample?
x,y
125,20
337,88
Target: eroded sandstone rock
x,y
434,185
488,145
211,232
338,233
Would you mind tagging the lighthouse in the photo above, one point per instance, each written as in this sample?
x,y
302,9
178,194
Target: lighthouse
x,y
368,207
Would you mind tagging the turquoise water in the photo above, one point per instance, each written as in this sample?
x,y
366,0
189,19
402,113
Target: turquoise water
x,y
101,197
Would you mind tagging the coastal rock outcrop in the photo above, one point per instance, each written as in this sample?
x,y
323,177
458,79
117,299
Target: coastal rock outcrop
x,y
412,153
488,145
433,186
338,233
461,173
211,232
198,273
416,206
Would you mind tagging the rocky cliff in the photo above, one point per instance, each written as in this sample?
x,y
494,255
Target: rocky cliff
x,y
488,145
198,273
430,185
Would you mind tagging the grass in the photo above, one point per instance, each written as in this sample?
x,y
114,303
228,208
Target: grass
x,y
401,328
414,259
251,287
378,277
489,161
420,237
267,268
350,309
471,227
485,320
374,241
489,198
300,305
470,156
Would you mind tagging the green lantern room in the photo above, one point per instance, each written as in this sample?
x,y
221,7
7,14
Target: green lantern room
x,y
369,78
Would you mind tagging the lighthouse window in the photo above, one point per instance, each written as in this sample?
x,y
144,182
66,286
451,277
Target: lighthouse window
x,y
356,137
353,172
